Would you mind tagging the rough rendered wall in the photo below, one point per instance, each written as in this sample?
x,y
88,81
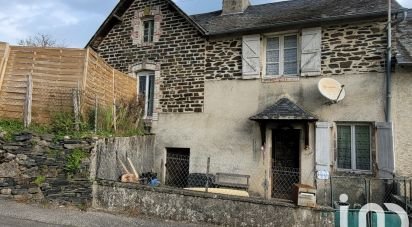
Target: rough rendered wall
x,y
401,113
180,51
225,133
109,152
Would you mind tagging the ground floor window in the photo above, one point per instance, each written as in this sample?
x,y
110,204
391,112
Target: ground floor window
x,y
354,147
146,92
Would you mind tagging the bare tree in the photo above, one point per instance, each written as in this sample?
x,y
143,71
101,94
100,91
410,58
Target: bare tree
x,y
40,40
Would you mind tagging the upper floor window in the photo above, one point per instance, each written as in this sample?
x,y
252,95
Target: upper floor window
x,y
282,55
146,91
148,30
354,147
147,26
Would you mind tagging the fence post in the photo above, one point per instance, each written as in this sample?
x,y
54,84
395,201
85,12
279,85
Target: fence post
x,y
370,191
207,174
404,193
95,114
410,191
331,191
161,175
366,190
76,109
28,101
114,103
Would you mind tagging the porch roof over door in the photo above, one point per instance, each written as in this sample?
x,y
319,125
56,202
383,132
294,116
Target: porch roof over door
x,y
284,109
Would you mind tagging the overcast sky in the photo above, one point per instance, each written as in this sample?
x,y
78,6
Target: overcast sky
x,y
73,22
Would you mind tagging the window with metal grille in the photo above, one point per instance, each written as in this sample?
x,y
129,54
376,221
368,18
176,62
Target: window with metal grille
x,y
354,146
146,92
148,30
282,55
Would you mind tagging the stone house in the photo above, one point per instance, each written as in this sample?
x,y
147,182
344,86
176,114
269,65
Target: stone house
x,y
240,85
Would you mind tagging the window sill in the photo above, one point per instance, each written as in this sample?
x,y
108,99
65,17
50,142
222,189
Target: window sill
x,y
271,79
147,44
346,172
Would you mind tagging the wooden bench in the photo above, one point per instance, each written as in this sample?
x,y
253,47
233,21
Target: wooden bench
x,y
220,180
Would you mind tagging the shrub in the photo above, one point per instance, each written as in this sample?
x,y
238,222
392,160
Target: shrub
x,y
74,161
39,180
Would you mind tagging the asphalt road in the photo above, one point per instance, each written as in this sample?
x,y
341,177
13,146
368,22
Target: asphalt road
x,y
22,215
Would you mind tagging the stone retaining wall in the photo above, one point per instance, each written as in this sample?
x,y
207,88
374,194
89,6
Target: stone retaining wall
x,y
196,207
34,167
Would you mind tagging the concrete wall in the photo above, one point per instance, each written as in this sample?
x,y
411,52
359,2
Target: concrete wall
x,y
105,161
224,132
200,207
401,113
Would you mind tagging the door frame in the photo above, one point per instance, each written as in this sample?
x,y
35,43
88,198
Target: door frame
x,y
298,125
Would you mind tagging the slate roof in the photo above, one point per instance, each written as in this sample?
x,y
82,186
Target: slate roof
x,y
284,109
404,40
293,12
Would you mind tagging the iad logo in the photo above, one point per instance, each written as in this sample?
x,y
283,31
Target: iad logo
x,y
371,207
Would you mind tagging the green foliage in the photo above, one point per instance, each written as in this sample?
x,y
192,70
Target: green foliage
x,y
128,117
62,123
11,127
74,161
39,180
128,123
105,119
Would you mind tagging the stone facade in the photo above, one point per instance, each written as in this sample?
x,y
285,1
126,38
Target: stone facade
x,y
224,59
186,59
353,49
33,167
180,51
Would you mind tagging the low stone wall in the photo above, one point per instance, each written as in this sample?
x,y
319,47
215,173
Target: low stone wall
x,y
34,167
197,207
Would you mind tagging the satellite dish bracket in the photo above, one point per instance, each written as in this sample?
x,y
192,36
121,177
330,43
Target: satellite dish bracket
x,y
340,93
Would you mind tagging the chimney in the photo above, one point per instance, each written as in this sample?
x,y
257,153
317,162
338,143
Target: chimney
x,y
234,6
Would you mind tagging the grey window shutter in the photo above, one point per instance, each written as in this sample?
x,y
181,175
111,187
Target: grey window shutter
x,y
311,52
323,146
384,150
251,57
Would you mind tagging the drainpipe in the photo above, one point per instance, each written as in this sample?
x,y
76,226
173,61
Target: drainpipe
x,y
389,67
389,61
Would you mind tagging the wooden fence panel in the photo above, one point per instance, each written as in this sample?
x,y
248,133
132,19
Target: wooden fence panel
x,y
56,72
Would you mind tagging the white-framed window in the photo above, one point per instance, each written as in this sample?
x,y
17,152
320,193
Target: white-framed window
x,y
148,30
146,91
281,55
354,146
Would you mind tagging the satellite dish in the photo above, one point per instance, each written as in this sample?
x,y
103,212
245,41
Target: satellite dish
x,y
332,89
